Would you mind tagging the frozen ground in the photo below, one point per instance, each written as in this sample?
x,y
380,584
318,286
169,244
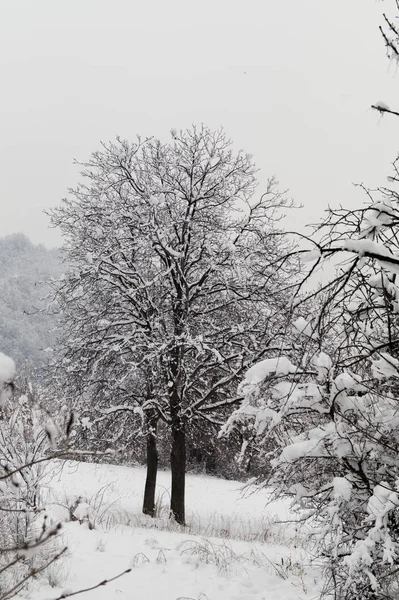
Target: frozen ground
x,y
233,547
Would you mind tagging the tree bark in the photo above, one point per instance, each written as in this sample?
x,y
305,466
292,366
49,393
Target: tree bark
x,y
178,468
152,466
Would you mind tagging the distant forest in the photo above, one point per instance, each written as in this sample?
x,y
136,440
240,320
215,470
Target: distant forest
x,y
26,333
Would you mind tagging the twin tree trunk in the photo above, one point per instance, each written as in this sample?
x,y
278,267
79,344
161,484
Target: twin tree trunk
x,y
152,465
178,431
178,468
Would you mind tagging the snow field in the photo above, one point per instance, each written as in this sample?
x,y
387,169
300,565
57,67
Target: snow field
x,y
233,547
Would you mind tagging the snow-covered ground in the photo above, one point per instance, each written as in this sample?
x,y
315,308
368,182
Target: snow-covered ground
x,y
233,547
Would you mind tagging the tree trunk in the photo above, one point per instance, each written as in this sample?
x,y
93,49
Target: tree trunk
x,y
152,466
178,467
178,426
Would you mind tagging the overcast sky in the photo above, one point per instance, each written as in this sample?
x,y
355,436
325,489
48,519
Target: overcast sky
x,y
291,82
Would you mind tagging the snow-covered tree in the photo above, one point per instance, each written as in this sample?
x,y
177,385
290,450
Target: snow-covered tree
x,y
169,283
326,413
25,448
328,416
30,440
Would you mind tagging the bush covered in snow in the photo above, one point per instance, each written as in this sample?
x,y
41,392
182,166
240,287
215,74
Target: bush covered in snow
x,y
29,438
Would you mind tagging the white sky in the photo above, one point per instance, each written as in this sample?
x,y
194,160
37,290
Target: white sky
x,y
291,81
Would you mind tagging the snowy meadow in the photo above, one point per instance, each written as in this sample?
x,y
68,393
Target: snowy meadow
x,y
237,551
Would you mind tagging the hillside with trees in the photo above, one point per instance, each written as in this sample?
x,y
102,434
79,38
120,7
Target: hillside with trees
x,y
26,332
